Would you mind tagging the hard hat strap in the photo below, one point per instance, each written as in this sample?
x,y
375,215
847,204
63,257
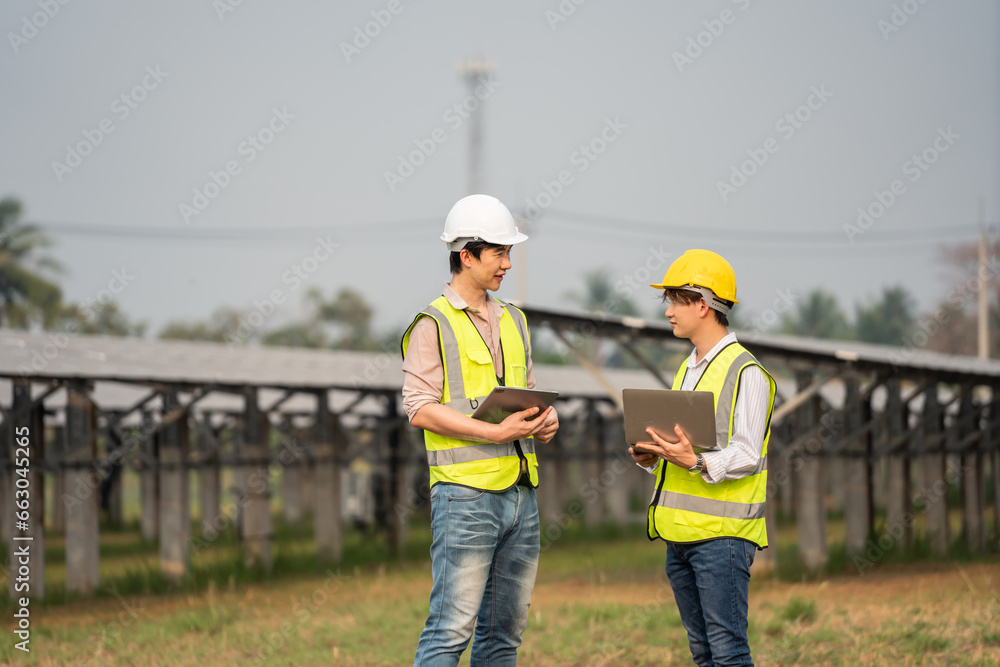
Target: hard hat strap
x,y
711,299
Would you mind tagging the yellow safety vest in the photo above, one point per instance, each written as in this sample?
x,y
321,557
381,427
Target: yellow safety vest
x,y
469,376
686,508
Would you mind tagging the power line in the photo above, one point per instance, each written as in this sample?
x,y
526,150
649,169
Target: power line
x,y
617,225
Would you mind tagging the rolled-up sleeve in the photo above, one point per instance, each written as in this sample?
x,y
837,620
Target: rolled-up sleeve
x,y
423,372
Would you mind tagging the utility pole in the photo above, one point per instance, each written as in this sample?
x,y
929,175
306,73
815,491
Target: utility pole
x,y
472,70
984,282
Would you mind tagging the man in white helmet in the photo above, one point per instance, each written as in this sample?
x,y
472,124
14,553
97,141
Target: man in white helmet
x,y
484,515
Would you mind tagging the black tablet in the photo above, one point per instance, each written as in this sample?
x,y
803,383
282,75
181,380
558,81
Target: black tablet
x,y
504,401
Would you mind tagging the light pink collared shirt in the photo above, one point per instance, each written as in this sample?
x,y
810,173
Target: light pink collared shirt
x,y
423,373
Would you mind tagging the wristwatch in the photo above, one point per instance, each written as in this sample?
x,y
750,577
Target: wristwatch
x,y
699,464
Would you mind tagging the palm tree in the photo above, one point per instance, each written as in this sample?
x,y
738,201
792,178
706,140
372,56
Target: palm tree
x,y
25,296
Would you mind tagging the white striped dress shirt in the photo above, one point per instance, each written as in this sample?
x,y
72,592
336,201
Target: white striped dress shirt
x,y
740,458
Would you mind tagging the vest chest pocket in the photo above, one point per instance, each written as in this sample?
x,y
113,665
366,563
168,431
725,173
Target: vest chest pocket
x,y
480,376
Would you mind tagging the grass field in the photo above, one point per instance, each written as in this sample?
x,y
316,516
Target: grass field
x,y
599,600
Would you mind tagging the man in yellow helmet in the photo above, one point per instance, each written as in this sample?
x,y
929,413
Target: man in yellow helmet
x,y
484,515
708,505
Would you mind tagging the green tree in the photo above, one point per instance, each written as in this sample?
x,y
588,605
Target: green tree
x,y
888,320
106,319
350,315
817,316
600,297
298,334
224,325
26,297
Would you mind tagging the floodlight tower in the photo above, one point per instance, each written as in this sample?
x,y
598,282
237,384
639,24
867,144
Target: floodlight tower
x,y
472,70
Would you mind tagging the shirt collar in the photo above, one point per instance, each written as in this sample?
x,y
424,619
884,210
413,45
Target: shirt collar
x,y
458,303
726,340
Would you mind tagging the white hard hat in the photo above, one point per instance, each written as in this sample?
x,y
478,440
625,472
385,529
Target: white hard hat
x,y
480,218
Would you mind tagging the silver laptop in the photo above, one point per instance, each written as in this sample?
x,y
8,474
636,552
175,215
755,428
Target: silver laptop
x,y
694,411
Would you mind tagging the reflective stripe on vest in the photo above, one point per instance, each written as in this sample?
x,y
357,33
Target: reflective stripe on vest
x,y
472,452
686,508
482,465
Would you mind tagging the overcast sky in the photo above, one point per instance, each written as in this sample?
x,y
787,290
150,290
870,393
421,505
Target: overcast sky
x,y
157,140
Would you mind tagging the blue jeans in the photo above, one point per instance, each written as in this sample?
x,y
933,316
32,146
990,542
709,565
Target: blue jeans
x,y
711,582
484,556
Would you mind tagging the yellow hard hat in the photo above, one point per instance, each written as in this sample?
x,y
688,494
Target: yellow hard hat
x,y
701,268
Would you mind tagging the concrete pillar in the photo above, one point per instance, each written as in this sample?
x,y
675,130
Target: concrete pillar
x,y
174,505
996,494
307,473
292,493
149,485
592,465
780,479
857,469
836,472
327,514
210,500
613,477
57,447
400,475
899,511
25,499
935,494
553,470
7,484
82,550
239,474
257,494
111,485
973,500
766,561
810,514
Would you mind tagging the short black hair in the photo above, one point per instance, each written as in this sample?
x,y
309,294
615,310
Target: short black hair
x,y
475,248
688,297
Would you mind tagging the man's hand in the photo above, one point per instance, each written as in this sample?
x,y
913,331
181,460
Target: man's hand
x,y
642,457
549,428
517,425
675,448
